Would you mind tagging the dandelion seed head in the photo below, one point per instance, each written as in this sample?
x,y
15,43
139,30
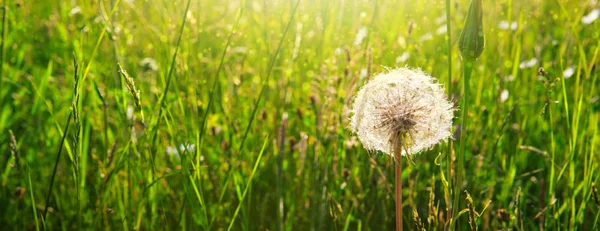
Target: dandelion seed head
x,y
402,105
149,64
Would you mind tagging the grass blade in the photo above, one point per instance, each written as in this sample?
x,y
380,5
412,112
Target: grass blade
x,y
237,210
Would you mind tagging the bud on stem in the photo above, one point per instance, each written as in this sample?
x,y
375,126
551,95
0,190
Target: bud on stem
x,y
471,42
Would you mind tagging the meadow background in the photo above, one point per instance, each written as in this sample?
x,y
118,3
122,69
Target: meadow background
x,y
243,114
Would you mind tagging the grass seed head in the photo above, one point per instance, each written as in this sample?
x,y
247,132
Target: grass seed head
x,y
595,195
418,223
402,105
14,151
472,213
131,87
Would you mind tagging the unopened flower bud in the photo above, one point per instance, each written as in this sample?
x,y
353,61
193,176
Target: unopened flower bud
x,y
471,42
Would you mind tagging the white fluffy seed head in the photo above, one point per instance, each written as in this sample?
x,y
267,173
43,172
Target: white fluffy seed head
x,y
404,106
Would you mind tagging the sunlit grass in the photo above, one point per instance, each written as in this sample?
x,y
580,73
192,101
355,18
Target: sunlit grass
x,y
245,105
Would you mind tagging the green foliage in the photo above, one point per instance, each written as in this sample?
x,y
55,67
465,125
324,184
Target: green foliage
x,y
243,113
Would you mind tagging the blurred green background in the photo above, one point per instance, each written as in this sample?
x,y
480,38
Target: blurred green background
x,y
245,106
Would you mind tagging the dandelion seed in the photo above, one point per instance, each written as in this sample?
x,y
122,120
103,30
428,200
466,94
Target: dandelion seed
x,y
189,147
129,113
425,37
402,105
238,50
441,30
528,63
360,36
568,72
174,151
74,11
504,96
297,41
338,51
504,25
403,57
363,73
441,19
509,78
591,17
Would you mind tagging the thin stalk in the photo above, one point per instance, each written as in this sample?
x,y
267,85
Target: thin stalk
x,y
62,142
202,129
398,157
161,100
35,216
467,68
4,9
449,34
248,184
449,38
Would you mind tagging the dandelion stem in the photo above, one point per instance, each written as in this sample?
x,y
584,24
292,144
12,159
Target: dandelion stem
x,y
398,157
467,68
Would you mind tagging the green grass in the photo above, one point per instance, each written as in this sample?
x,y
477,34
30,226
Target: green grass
x,y
257,95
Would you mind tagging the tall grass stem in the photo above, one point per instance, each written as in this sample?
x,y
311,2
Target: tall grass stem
x,y
62,142
161,101
449,88
467,69
4,10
